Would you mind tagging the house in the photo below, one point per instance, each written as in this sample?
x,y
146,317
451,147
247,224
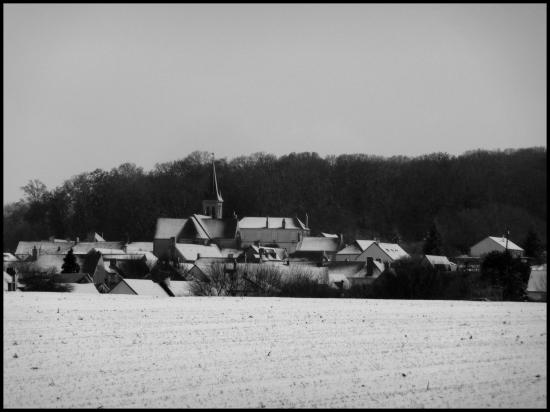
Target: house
x,y
281,232
439,262
536,287
386,253
258,254
142,287
29,251
495,244
329,245
10,261
344,275
465,263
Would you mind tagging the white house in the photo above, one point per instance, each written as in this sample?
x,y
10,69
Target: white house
x,y
536,287
387,253
495,244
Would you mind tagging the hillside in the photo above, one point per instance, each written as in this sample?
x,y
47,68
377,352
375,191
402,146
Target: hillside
x,y
466,197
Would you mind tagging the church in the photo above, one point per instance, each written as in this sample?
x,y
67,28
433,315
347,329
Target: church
x,y
212,231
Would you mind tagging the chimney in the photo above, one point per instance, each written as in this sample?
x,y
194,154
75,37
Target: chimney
x,y
284,222
198,256
340,240
34,253
307,220
267,222
77,240
370,266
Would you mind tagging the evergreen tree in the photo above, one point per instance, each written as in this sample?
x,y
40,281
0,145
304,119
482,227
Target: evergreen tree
x,y
432,242
70,265
532,245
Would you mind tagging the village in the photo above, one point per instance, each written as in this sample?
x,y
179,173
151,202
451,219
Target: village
x,y
187,253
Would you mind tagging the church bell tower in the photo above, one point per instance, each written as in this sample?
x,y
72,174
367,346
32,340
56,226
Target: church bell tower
x,y
213,202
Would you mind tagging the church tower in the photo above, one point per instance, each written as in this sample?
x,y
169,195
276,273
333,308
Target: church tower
x,y
213,202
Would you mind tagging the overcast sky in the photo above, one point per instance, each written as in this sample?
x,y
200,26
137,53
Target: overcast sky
x,y
93,86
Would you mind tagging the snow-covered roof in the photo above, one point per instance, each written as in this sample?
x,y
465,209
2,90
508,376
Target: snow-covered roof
x,y
168,227
145,287
329,235
364,244
438,260
189,251
103,247
312,243
181,288
393,250
9,257
139,246
83,288
273,223
502,242
350,250
43,247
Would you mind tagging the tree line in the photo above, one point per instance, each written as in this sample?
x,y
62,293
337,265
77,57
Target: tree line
x,y
463,198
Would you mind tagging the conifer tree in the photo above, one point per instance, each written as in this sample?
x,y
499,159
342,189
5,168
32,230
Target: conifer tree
x,y
70,265
432,242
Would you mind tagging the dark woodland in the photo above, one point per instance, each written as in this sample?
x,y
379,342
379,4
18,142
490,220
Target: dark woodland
x,y
457,199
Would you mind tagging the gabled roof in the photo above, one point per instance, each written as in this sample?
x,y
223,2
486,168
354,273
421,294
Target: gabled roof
x,y
43,247
210,228
502,242
273,223
316,244
364,244
437,260
393,250
145,287
168,227
189,251
352,249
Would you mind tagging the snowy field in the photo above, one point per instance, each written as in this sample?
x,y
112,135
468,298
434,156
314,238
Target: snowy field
x,y
80,350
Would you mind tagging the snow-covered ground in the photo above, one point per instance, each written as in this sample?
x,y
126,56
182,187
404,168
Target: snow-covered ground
x,y
82,350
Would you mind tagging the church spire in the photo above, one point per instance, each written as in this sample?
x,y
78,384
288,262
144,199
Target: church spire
x,y
212,203
214,192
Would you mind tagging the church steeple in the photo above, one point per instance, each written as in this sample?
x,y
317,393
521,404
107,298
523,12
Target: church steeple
x,y
213,201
